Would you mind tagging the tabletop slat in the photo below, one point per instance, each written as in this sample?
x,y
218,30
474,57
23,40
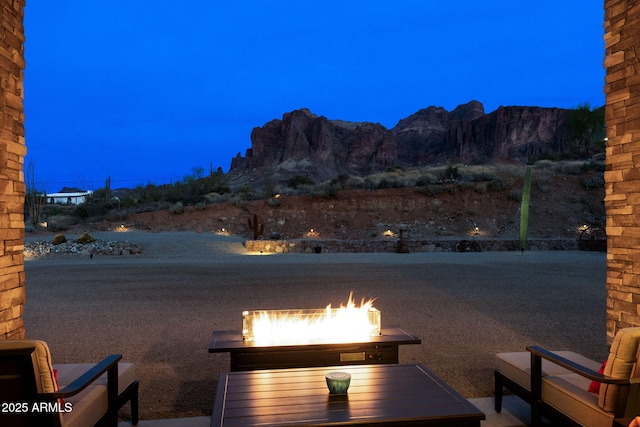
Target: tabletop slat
x,y
378,393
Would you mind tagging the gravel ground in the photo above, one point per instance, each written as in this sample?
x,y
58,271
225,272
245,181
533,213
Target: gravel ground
x,y
159,308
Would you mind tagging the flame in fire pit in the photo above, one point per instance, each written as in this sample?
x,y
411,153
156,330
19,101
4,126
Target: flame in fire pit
x,y
348,323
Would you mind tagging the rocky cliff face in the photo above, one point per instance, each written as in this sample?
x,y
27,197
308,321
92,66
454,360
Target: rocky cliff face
x,y
303,142
422,136
303,139
519,133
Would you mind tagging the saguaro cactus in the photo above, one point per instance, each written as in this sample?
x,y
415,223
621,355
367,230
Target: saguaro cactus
x,y
257,229
524,210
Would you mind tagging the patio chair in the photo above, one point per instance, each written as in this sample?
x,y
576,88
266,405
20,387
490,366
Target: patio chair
x,y
557,383
34,392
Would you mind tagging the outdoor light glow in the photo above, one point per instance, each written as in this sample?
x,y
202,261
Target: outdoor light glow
x,y
475,231
348,323
313,233
255,253
223,232
122,228
388,233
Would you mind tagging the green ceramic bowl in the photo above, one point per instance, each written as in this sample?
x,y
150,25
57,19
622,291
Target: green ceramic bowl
x,y
338,382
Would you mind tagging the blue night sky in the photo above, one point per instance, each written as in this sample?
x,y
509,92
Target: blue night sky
x,y
143,91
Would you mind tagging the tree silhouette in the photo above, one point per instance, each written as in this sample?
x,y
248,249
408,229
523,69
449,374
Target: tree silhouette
x,y
586,126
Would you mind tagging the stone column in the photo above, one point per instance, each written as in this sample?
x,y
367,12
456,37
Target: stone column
x,y
622,176
12,186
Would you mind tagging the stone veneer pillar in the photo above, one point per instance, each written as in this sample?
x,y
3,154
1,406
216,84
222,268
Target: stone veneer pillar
x,y
622,176
12,186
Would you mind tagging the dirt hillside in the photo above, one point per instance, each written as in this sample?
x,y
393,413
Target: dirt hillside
x,y
559,206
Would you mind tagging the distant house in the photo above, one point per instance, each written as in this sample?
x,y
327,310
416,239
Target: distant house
x,y
68,198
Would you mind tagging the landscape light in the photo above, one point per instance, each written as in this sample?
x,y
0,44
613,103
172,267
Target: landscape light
x,y
223,231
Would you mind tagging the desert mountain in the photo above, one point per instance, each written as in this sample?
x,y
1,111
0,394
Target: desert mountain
x,y
304,143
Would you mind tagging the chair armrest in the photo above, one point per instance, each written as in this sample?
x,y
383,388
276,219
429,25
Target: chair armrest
x,y
628,402
579,369
84,380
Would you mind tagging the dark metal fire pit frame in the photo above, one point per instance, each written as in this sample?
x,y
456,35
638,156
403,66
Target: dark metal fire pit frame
x,y
247,356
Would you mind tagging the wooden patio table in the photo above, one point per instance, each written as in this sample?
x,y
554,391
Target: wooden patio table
x,y
380,395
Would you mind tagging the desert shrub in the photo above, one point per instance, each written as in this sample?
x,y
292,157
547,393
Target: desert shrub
x,y
355,182
425,179
340,180
544,164
594,182
299,181
408,182
239,200
572,168
481,187
325,190
542,182
216,198
245,189
330,192
384,183
116,215
200,206
127,202
395,169
499,183
177,208
147,207
593,166
61,222
431,190
565,167
515,195
85,238
273,201
59,238
450,173
451,188
477,174
220,189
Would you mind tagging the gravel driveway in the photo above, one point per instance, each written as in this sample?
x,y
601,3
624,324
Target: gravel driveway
x,y
158,308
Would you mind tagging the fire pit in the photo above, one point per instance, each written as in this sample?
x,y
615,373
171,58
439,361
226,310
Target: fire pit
x,y
344,324
272,339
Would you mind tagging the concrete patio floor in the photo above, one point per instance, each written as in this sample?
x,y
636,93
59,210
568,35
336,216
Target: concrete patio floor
x,y
515,413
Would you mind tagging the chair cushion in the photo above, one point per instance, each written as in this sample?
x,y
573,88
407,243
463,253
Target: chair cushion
x,y
88,407
44,368
517,365
69,372
621,363
568,394
85,414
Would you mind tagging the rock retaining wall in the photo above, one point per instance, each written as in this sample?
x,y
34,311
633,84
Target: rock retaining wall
x,y
98,247
368,246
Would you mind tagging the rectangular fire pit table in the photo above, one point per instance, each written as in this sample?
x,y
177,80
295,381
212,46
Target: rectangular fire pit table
x,y
251,355
379,395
